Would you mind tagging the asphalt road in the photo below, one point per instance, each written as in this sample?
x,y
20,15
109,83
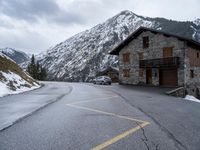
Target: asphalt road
x,y
15,107
105,117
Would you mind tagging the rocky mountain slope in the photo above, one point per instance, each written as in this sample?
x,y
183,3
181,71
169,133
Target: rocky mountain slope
x,y
13,79
80,57
16,55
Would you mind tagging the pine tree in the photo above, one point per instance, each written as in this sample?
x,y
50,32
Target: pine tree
x,y
33,70
36,70
43,73
31,67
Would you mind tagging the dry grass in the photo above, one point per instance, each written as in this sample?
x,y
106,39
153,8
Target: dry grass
x,y
7,65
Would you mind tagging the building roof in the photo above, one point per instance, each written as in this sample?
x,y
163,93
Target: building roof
x,y
110,68
135,34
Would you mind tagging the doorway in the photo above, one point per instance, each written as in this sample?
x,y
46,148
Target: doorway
x,y
149,76
168,77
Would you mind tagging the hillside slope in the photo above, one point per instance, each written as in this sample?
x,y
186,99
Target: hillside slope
x,y
80,57
13,79
16,55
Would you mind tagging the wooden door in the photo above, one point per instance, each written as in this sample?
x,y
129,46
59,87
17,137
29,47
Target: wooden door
x,y
168,77
149,76
167,52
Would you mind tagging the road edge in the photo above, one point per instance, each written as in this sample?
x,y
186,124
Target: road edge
x,y
51,101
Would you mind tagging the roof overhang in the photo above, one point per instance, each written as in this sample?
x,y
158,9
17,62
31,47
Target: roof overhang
x,y
134,35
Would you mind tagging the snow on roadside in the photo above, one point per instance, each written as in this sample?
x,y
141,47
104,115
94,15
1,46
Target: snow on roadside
x,y
192,98
19,84
3,89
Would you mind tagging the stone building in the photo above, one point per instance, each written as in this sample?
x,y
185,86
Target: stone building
x,y
152,57
112,72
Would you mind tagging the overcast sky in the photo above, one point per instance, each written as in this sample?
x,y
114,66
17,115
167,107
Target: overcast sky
x,y
35,25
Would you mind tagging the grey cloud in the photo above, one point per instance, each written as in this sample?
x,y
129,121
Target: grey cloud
x,y
6,25
54,19
33,10
30,42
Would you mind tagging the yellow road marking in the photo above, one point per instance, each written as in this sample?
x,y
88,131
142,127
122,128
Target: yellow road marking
x,y
106,113
95,99
120,136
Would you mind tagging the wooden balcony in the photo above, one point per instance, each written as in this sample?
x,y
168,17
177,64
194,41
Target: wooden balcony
x,y
160,62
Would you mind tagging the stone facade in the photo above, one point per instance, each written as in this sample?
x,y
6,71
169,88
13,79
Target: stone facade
x,y
157,42
192,84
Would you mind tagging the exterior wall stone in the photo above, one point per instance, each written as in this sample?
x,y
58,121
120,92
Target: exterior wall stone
x,y
179,92
192,85
156,44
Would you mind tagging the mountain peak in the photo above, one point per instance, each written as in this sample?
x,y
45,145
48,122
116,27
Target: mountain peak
x,y
16,55
197,21
126,12
7,50
80,57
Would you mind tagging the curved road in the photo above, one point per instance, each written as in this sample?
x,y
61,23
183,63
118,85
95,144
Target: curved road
x,y
84,116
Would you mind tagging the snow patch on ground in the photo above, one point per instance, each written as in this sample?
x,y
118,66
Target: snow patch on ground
x,y
192,98
19,84
3,89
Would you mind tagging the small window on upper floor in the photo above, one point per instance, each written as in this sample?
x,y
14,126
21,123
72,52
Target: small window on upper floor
x,y
145,42
126,57
197,54
191,73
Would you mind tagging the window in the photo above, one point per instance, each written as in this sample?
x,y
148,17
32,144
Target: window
x,y
141,73
191,73
126,57
167,52
145,42
126,72
197,54
140,55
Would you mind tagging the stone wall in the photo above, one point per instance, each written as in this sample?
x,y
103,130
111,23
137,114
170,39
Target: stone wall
x,y
156,44
178,92
192,85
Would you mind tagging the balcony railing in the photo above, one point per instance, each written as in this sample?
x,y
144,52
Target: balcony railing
x,y
160,62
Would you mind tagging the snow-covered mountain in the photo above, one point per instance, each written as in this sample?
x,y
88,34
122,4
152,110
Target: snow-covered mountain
x,y
197,22
13,79
80,57
16,55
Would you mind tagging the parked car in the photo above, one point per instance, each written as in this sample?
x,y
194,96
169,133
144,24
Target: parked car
x,y
102,80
